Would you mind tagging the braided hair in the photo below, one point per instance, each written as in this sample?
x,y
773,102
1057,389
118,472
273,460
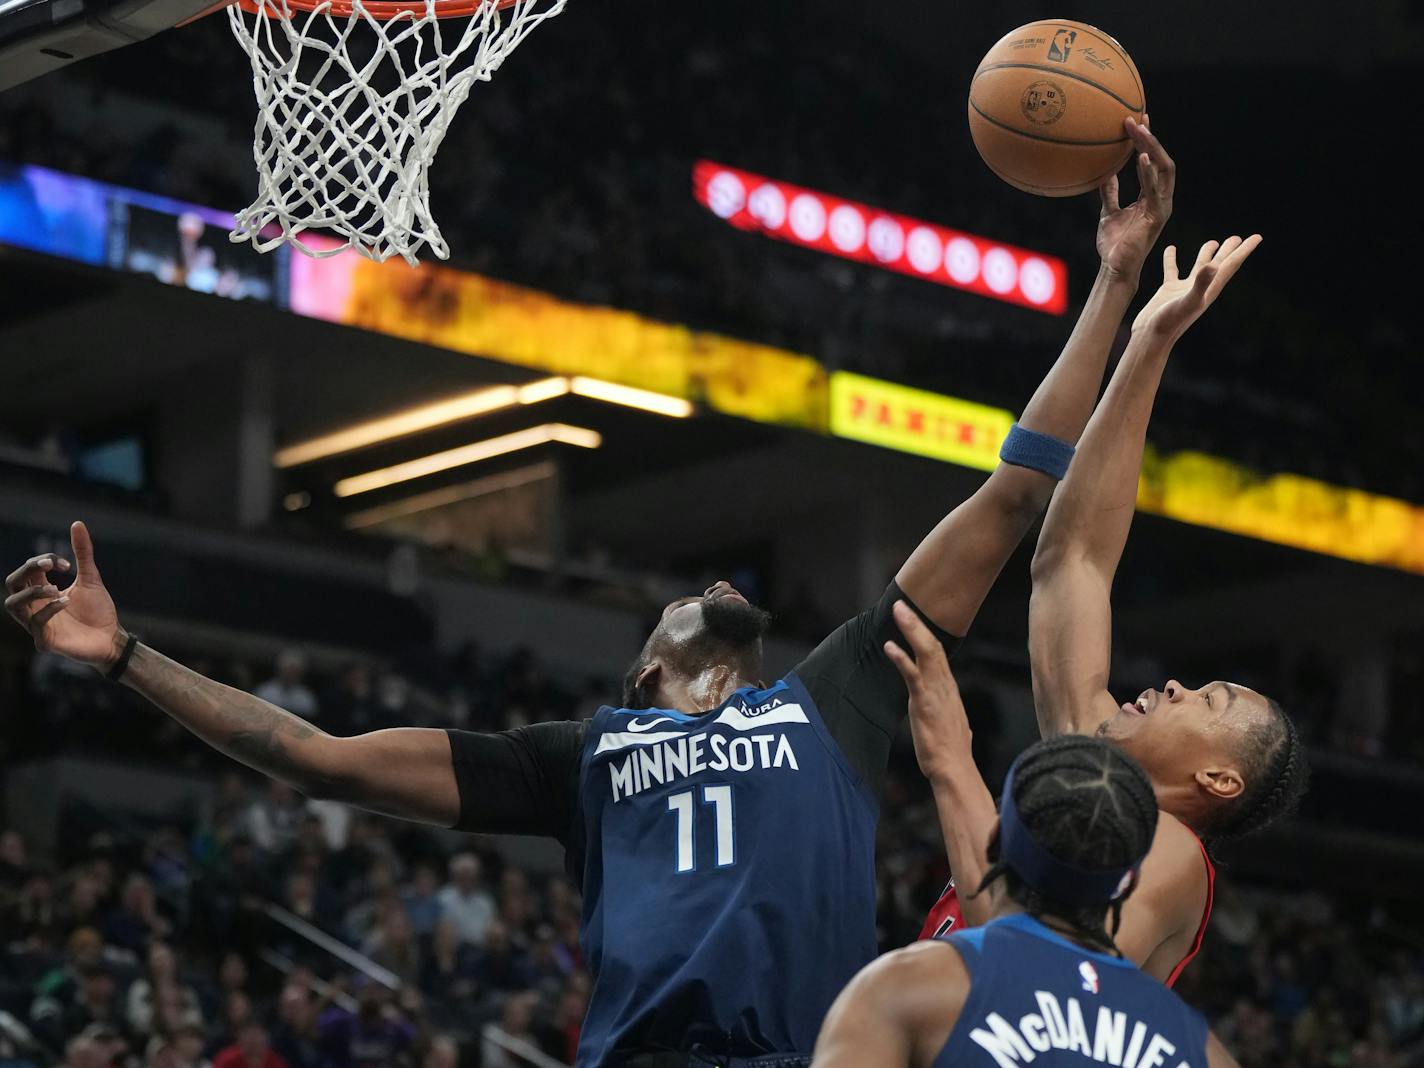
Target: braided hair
x,y
1276,774
1088,804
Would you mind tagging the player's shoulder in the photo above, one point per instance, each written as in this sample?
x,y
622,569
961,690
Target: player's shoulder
x,y
1178,841
918,980
935,960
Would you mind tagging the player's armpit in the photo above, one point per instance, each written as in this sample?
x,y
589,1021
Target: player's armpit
x,y
520,781
406,772
1161,917
899,1010
1070,644
858,692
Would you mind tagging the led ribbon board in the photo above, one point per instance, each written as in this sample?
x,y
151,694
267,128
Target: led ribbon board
x,y
870,235
623,354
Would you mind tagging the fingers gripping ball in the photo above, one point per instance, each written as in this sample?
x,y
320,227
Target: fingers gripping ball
x,y
1047,104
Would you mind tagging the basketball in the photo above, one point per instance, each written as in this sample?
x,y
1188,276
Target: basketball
x,y
1046,107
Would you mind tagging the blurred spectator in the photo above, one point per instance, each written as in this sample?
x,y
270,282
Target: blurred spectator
x,y
275,819
90,998
465,902
516,1021
422,901
251,1050
444,1053
350,707
376,1035
568,1021
14,865
232,974
296,1035
136,919
393,946
158,985
502,965
451,966
286,689
81,1052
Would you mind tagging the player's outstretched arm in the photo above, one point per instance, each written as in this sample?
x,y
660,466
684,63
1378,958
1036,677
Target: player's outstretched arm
x,y
951,572
943,745
406,772
1070,622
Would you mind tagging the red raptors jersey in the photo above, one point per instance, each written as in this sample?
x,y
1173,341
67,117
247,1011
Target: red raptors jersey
x,y
946,915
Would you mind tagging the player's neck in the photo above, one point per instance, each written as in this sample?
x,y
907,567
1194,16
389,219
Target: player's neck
x,y
703,691
1062,928
1183,803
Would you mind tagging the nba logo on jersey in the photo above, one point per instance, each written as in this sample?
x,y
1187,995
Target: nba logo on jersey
x,y
1090,976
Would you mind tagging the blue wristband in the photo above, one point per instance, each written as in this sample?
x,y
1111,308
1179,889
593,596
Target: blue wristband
x,y
1038,452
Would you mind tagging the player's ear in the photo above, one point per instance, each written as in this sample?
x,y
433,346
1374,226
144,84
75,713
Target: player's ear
x,y
648,677
1224,782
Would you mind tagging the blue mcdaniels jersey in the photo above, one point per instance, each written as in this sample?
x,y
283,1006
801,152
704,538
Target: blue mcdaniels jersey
x,y
729,878
1036,997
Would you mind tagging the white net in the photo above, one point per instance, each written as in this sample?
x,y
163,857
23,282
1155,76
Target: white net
x,y
351,109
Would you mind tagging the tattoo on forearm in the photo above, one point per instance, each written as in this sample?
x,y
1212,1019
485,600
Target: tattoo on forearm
x,y
262,749
245,727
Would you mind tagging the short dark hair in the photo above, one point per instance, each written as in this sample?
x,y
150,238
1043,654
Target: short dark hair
x,y
1090,805
1276,774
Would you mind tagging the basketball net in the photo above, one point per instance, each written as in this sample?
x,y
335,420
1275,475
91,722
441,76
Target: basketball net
x,y
353,100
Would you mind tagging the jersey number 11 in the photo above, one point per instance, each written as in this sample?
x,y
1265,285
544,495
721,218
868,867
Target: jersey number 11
x,y
719,798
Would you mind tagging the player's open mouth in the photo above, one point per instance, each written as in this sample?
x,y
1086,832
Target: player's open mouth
x,y
1136,708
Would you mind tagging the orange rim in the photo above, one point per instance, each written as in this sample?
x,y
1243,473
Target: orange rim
x,y
380,10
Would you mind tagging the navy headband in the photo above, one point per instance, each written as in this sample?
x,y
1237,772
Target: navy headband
x,y
1041,870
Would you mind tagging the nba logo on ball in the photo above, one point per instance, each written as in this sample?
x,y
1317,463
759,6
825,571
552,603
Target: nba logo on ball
x,y
1090,977
1061,45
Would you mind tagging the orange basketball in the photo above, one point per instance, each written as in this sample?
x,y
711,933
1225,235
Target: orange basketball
x,y
1046,107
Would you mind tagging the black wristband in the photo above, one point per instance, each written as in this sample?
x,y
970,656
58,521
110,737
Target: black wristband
x,y
121,665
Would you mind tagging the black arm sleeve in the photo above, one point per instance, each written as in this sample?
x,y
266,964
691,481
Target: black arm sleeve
x,y
521,781
859,692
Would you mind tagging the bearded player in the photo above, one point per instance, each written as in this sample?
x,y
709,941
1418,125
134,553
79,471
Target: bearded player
x,y
1224,760
721,828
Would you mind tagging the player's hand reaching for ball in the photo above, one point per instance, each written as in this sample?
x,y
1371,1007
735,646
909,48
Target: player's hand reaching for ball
x,y
938,721
79,623
1126,234
1180,301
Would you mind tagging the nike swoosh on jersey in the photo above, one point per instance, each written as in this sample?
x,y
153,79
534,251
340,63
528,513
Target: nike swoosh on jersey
x,y
637,726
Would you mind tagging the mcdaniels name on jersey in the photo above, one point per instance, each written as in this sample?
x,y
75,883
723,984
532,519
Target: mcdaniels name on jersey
x,y
659,757
1114,1038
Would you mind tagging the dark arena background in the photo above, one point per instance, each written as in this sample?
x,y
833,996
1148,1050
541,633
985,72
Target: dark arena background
x,y
667,376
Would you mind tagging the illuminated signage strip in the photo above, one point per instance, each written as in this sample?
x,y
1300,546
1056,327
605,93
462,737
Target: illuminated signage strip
x,y
438,305
1190,487
1305,513
93,223
915,420
869,235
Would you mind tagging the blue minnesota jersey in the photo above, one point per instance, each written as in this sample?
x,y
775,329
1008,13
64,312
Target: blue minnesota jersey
x,y
729,879
1035,997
